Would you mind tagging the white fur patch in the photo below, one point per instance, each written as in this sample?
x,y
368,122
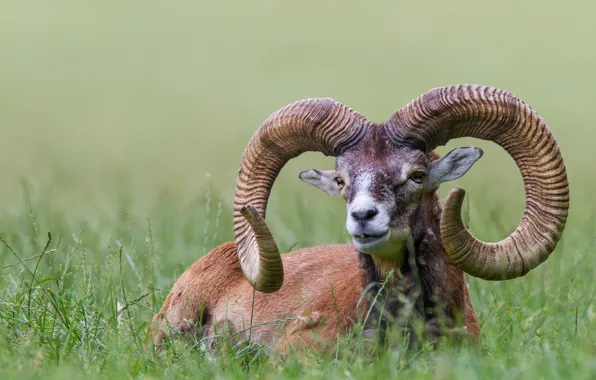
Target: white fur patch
x,y
363,200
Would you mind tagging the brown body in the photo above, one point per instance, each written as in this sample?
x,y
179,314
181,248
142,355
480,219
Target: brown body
x,y
303,310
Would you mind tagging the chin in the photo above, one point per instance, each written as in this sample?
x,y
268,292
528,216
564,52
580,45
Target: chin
x,y
388,246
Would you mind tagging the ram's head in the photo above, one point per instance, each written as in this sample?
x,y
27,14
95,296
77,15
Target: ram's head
x,y
384,185
384,171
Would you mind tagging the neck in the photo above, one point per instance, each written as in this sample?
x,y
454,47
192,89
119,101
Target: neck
x,y
397,286
393,286
382,269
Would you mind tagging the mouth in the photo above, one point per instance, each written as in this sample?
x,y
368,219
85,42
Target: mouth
x,y
369,240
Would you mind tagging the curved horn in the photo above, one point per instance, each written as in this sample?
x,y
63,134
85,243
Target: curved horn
x,y
496,115
307,125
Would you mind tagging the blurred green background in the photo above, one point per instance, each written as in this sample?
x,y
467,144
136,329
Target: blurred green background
x,y
101,98
122,124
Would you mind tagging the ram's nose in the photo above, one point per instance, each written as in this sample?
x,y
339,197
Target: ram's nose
x,y
364,214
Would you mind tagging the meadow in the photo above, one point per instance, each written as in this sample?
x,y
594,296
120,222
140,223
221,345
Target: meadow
x,y
121,129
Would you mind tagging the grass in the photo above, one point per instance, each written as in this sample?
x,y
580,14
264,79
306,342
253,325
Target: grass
x,y
60,300
121,128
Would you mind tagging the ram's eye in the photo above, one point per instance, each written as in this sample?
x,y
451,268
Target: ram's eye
x,y
418,177
340,182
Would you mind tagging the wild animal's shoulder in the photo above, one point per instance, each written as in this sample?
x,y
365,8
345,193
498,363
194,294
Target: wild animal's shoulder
x,y
327,249
225,256
220,259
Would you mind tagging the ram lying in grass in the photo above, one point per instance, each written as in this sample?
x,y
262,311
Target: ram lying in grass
x,y
388,174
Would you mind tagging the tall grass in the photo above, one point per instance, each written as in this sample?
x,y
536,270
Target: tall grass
x,y
121,129
80,307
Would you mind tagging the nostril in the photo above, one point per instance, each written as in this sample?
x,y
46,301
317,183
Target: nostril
x,y
363,215
371,212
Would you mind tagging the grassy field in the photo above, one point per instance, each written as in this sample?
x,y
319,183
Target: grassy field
x,y
121,129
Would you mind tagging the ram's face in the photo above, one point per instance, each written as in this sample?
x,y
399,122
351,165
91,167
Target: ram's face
x,y
384,185
383,194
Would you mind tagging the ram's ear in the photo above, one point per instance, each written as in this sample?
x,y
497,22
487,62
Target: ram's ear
x,y
326,180
453,165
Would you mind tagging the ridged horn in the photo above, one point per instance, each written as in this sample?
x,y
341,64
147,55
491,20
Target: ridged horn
x,y
496,115
322,125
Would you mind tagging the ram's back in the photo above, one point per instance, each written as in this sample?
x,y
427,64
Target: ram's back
x,y
320,295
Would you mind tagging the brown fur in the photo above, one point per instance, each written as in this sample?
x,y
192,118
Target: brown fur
x,y
216,285
304,310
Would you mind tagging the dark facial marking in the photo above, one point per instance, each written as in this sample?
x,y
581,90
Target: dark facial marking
x,y
386,164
